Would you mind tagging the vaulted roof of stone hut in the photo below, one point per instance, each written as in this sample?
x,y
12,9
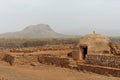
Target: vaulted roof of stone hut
x,y
94,38
95,42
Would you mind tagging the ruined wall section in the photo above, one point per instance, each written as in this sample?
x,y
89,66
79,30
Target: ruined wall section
x,y
104,60
21,59
54,60
38,58
9,58
93,62
41,48
115,48
99,70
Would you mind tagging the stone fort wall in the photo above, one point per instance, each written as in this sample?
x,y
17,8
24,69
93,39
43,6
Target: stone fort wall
x,y
103,60
38,58
99,70
101,64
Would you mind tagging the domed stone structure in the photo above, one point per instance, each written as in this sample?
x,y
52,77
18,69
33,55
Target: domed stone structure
x,y
96,43
92,44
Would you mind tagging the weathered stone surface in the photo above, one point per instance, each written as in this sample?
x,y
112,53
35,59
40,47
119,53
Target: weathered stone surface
x,y
99,70
41,48
32,59
96,43
104,60
54,60
115,48
21,59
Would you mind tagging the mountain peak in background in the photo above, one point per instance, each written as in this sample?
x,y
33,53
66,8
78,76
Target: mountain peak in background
x,y
38,27
35,31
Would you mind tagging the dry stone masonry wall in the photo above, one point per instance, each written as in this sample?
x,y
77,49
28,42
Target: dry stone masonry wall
x,y
104,60
54,60
99,70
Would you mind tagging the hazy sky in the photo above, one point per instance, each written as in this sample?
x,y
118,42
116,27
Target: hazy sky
x,y
64,16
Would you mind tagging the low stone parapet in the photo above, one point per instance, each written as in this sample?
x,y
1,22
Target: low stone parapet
x,y
99,70
21,59
37,58
54,60
103,60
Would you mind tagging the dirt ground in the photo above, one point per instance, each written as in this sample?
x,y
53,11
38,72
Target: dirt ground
x,y
46,72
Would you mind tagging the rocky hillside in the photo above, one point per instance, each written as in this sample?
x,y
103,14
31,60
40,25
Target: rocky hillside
x,y
35,31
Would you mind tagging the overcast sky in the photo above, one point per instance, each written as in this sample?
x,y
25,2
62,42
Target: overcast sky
x,y
64,16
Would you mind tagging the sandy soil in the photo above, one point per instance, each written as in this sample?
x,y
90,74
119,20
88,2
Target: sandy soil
x,y
46,72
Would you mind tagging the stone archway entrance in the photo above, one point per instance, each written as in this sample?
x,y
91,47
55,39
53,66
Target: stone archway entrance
x,y
83,52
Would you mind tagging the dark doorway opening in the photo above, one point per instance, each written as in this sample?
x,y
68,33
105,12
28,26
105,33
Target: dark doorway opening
x,y
84,52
